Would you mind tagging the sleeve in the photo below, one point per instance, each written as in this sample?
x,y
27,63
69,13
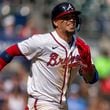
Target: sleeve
x,y
84,52
7,55
88,71
30,47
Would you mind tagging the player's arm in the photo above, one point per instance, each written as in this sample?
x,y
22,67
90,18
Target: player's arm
x,y
7,55
87,69
90,75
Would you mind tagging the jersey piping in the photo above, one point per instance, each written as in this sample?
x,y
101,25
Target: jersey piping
x,y
63,86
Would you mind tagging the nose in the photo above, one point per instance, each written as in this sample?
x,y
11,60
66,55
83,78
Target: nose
x,y
72,20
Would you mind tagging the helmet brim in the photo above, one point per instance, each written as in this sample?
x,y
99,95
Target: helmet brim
x,y
66,13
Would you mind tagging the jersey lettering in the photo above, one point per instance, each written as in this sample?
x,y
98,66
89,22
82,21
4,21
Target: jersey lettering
x,y
55,59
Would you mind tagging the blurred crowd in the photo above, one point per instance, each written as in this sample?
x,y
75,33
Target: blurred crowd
x,y
20,19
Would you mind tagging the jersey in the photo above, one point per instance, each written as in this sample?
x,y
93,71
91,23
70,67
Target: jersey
x,y
51,74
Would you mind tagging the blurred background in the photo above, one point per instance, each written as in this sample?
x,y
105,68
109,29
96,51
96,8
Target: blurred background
x,y
20,19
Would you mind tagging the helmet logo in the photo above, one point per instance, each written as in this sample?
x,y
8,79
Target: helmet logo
x,y
69,7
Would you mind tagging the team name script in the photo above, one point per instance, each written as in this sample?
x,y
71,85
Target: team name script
x,y
56,60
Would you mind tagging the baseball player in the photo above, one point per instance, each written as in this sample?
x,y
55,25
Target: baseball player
x,y
56,58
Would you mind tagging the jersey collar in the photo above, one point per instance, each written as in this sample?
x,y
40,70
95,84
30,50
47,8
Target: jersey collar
x,y
63,42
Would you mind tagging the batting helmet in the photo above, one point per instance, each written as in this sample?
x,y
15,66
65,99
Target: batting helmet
x,y
62,9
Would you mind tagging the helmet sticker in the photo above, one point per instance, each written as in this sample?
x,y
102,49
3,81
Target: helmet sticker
x,y
69,7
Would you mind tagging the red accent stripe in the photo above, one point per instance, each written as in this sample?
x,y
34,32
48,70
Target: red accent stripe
x,y
67,12
35,104
64,13
65,68
26,108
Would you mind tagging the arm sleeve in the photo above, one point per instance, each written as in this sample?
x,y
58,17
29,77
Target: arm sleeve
x,y
91,77
31,46
7,55
89,72
95,76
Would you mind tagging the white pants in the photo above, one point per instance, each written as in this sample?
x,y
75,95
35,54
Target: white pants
x,y
34,104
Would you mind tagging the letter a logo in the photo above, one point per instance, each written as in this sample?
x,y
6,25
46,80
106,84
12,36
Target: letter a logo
x,y
70,7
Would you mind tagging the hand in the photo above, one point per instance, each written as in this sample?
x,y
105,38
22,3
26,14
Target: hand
x,y
87,71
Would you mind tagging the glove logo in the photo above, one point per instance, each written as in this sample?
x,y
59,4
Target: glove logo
x,y
54,47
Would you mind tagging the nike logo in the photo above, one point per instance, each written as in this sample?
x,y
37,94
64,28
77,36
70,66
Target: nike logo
x,y
54,47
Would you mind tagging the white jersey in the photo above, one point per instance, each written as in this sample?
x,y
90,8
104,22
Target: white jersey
x,y
50,57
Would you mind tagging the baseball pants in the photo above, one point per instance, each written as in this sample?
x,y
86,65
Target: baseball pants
x,y
34,104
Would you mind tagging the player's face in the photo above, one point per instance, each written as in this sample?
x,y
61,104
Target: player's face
x,y
67,23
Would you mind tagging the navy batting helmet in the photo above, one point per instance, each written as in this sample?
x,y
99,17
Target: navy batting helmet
x,y
62,9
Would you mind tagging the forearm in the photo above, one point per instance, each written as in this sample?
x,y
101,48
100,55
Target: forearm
x,y
90,74
7,55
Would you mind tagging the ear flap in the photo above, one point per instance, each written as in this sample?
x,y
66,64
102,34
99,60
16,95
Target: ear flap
x,y
78,23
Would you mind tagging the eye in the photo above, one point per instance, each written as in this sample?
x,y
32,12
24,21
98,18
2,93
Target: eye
x,y
68,17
